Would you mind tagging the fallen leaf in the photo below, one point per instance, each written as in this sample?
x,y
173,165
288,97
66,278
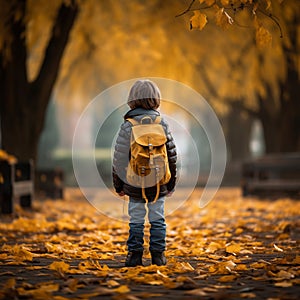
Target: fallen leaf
x,y
234,248
284,284
59,266
122,289
196,292
227,278
248,295
277,248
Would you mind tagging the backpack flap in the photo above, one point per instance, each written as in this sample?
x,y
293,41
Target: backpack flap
x,y
145,135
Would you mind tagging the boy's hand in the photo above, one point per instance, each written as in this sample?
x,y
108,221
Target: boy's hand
x,y
121,194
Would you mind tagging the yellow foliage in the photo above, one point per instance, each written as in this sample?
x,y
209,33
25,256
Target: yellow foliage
x,y
209,2
223,19
198,20
263,37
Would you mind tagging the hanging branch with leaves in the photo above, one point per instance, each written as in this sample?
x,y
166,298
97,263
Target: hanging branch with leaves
x,y
225,12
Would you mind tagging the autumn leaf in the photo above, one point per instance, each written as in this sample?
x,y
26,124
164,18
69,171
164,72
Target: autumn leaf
x,y
186,266
214,246
241,267
21,253
277,248
284,284
196,292
208,2
269,3
112,283
233,248
59,266
285,275
122,289
223,19
222,267
263,37
239,231
10,283
198,20
225,2
41,291
227,278
258,265
248,295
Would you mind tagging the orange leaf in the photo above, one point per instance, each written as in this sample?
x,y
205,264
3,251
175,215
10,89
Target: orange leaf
x,y
227,278
283,284
122,289
21,254
223,19
198,20
234,248
59,266
263,37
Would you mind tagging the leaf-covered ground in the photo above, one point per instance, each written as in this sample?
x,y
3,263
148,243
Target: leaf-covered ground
x,y
234,248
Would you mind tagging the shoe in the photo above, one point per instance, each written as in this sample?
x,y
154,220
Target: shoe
x,y
158,258
134,258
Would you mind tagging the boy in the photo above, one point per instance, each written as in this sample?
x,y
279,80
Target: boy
x,y
143,100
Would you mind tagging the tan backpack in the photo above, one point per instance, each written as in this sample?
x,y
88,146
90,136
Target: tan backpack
x,y
148,165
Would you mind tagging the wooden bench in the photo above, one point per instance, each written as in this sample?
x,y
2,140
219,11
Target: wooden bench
x,y
16,181
275,174
49,183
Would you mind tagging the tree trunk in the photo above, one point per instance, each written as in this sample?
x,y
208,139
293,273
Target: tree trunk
x,y
23,104
290,98
282,126
238,132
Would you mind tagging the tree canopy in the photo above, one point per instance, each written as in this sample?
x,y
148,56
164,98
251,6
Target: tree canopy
x,y
251,62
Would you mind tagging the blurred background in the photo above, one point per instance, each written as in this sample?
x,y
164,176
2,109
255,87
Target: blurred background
x,y
56,56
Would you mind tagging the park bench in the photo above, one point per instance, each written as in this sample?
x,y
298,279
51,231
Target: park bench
x,y
16,182
49,183
272,175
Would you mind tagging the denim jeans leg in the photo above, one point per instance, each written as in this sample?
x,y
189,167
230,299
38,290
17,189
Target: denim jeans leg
x,y
137,212
158,225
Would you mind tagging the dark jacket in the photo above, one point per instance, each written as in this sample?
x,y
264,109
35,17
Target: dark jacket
x,y
122,156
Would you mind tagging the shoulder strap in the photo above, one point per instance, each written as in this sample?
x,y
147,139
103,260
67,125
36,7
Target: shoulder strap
x,y
132,121
157,120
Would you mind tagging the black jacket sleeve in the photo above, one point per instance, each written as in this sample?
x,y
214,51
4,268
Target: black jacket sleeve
x,y
121,156
172,157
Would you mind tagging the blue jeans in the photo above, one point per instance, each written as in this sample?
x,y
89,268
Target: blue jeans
x,y
156,216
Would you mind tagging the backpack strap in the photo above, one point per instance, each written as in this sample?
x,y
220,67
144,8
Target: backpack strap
x,y
144,192
157,120
132,121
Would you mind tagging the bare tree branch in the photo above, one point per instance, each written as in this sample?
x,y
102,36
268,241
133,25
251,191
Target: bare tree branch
x,y
187,10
